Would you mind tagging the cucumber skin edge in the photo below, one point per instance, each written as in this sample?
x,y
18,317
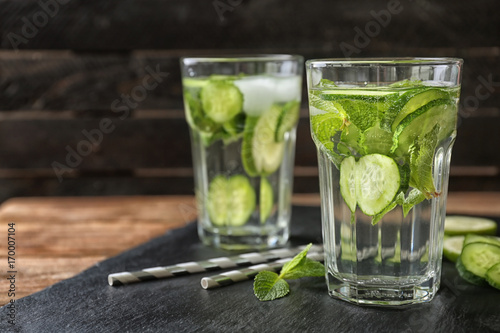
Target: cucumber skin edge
x,y
495,283
469,276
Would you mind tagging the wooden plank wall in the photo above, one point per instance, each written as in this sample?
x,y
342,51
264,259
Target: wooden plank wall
x,y
90,95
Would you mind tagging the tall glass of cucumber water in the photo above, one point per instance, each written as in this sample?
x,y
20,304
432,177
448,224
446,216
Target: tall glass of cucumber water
x,y
384,131
242,114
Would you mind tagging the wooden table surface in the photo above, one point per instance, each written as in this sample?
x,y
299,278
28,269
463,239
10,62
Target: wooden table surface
x,y
58,237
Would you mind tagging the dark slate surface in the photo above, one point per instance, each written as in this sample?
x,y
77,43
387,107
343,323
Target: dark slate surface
x,y
86,303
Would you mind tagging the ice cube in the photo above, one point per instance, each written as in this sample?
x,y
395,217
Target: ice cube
x,y
287,89
258,94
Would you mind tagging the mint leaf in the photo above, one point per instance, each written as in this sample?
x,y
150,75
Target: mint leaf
x,y
308,267
414,197
361,113
268,286
421,158
296,261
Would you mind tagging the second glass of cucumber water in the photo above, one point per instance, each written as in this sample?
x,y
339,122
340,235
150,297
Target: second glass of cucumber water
x,y
384,131
242,114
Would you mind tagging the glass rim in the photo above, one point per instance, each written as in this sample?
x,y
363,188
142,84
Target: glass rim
x,y
384,61
241,58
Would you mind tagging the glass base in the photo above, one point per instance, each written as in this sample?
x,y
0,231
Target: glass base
x,y
387,294
246,239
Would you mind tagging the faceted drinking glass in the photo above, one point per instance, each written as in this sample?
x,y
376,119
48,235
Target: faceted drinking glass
x,y
384,131
242,114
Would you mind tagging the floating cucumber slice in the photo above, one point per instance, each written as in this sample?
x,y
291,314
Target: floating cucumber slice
x,y
367,95
230,201
463,225
417,101
195,116
377,182
261,154
242,200
452,247
407,103
194,83
218,201
221,100
266,199
348,182
441,112
372,183
287,119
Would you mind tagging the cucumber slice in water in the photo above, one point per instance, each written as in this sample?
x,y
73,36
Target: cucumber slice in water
x,y
261,154
195,116
372,182
230,201
218,201
359,94
348,182
266,199
221,100
408,103
493,276
476,259
462,225
287,119
377,182
439,112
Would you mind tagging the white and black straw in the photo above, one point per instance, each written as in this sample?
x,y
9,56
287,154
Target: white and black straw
x,y
232,277
242,260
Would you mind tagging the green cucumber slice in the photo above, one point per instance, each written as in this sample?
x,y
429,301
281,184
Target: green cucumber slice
x,y
261,154
287,119
475,238
217,201
230,201
357,93
221,100
476,259
348,182
408,103
241,200
441,112
370,183
493,276
195,116
266,199
452,247
377,183
462,225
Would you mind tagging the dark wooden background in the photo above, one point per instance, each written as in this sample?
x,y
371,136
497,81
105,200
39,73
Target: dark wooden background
x,y
70,69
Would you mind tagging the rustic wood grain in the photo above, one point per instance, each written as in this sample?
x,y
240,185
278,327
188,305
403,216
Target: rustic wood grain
x,y
57,238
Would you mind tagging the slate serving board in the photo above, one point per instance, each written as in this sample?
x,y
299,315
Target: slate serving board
x,y
86,303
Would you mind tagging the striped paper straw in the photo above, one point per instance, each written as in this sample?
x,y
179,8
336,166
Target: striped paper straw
x,y
232,277
246,259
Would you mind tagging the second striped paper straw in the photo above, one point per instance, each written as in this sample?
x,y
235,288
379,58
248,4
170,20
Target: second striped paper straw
x,y
246,259
232,277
